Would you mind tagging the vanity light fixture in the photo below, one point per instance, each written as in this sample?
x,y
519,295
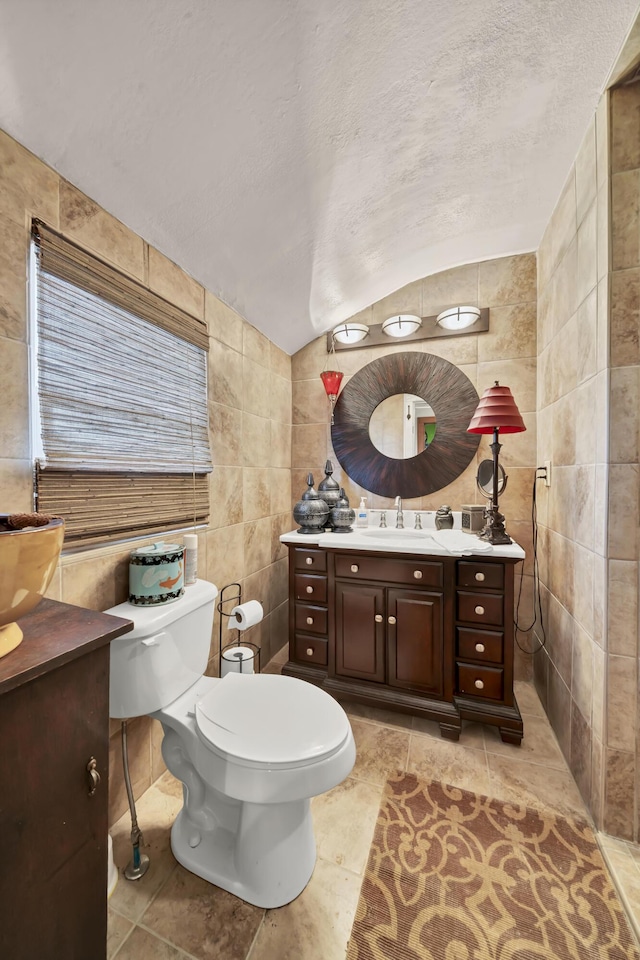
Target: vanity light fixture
x,y
350,332
402,325
458,318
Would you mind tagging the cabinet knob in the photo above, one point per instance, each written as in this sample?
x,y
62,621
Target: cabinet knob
x,y
94,776
310,590
309,651
378,618
417,574
479,684
480,647
309,561
310,621
480,577
354,568
392,619
479,610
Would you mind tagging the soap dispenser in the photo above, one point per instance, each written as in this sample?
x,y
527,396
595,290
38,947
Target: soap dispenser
x,y
362,517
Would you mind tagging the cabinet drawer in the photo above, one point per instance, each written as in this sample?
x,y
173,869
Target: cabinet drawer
x,y
309,587
480,575
480,645
311,619
422,573
309,559
480,681
310,649
480,607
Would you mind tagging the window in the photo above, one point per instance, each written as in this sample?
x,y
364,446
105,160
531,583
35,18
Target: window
x,y
120,426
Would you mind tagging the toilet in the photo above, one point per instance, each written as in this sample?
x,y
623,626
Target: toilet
x,y
250,749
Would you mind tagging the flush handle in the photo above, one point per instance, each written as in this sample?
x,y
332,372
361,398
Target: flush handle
x,y
480,647
308,560
417,574
392,620
309,589
479,610
354,568
309,620
94,776
378,618
479,684
480,577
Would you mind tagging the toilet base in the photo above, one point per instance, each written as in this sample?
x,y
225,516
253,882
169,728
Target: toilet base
x,y
268,861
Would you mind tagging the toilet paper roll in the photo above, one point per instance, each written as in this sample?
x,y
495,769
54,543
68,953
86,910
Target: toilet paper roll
x,y
237,660
246,615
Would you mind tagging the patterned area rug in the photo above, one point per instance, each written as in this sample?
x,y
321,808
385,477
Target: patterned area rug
x,y
457,876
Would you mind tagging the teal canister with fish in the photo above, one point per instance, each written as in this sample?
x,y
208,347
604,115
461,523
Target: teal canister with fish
x,y
156,574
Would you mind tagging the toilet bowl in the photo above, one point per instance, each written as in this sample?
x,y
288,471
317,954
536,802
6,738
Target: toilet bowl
x,y
250,750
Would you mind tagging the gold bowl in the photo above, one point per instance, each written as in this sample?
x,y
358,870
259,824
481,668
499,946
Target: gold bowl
x,y
28,559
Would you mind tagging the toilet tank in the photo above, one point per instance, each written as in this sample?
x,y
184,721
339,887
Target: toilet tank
x,y
166,652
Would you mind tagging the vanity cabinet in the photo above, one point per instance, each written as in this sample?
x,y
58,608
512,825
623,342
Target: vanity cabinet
x,y
54,731
432,636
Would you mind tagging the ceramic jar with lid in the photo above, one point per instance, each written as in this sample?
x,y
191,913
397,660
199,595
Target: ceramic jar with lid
x,y
444,518
342,515
311,511
329,489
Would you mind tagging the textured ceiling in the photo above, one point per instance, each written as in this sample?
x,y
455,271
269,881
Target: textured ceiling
x,y
304,158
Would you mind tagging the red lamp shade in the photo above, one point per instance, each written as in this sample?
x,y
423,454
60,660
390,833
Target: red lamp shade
x,y
331,380
497,410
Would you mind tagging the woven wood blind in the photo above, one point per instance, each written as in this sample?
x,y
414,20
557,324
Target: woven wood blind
x,y
122,389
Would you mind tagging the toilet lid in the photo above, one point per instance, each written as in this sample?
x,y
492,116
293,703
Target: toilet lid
x,y
270,719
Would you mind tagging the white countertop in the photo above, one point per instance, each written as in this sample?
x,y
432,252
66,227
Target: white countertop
x,y
445,543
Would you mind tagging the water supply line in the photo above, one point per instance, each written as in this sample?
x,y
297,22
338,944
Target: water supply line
x,y
139,863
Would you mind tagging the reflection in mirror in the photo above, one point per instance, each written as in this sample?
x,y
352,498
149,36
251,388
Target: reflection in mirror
x,y
484,478
402,426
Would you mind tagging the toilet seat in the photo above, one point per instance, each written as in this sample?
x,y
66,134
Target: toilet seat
x,y
270,720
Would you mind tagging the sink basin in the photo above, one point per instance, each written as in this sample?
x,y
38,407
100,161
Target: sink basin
x,y
385,533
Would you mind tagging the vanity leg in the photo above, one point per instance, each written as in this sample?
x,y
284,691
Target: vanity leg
x,y
510,736
449,732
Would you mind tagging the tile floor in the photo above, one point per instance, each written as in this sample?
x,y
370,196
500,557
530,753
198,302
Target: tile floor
x,y
172,915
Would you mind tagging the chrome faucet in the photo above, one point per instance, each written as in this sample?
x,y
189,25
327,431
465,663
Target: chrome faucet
x,y
399,515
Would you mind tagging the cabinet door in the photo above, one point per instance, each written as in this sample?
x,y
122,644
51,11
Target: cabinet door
x,y
415,635
53,868
359,635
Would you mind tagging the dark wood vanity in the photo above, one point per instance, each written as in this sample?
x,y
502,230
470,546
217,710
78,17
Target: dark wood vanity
x,y
427,635
54,765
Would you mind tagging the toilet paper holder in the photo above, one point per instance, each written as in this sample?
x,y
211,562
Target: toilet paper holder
x,y
230,596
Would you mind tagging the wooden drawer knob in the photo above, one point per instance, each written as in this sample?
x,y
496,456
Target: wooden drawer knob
x,y
417,574
479,684
309,561
310,620
354,568
479,610
309,651
479,647
378,618
392,619
310,590
480,577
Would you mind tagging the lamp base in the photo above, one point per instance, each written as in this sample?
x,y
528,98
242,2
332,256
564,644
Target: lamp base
x,y
494,531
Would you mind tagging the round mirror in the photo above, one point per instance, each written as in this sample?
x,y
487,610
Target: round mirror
x,y
402,426
484,478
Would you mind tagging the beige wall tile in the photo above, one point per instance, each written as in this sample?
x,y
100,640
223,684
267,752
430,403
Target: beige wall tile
x,y
225,555
279,490
587,331
280,444
603,237
621,703
282,523
619,794
259,386
624,413
602,140
14,255
82,220
507,280
560,232
223,323
405,300
623,511
582,672
623,608
309,447
279,362
586,172
519,375
28,187
625,128
278,400
226,493
256,441
255,346
257,545
225,375
14,387
94,581
256,493
450,288
307,363
225,432
625,208
583,572
139,750
565,287
563,434
512,333
16,483
171,282
589,420
625,317
587,253
309,401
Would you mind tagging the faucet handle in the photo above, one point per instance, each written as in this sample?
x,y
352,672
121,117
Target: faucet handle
x,y
418,523
383,518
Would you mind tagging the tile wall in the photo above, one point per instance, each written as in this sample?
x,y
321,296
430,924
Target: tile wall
x,y
506,353
250,421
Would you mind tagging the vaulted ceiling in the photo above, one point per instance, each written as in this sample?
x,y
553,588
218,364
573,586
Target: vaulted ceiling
x,y
304,158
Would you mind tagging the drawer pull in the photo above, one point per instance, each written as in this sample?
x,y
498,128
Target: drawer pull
x,y
392,619
309,561
354,568
310,590
309,651
480,647
480,577
479,610
479,684
417,574
378,618
94,776
310,621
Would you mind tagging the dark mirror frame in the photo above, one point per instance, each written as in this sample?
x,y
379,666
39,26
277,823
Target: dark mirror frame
x,y
445,388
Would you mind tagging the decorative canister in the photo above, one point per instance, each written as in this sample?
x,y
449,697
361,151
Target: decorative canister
x,y
156,574
444,518
342,515
311,511
329,489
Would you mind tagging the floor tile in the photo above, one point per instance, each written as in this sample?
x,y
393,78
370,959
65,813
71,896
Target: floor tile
x,y
390,718
528,699
143,945
471,735
518,781
539,744
449,762
343,822
118,929
379,751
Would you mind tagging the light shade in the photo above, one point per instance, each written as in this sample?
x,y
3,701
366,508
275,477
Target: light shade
x,y
331,380
350,332
402,325
497,410
457,318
